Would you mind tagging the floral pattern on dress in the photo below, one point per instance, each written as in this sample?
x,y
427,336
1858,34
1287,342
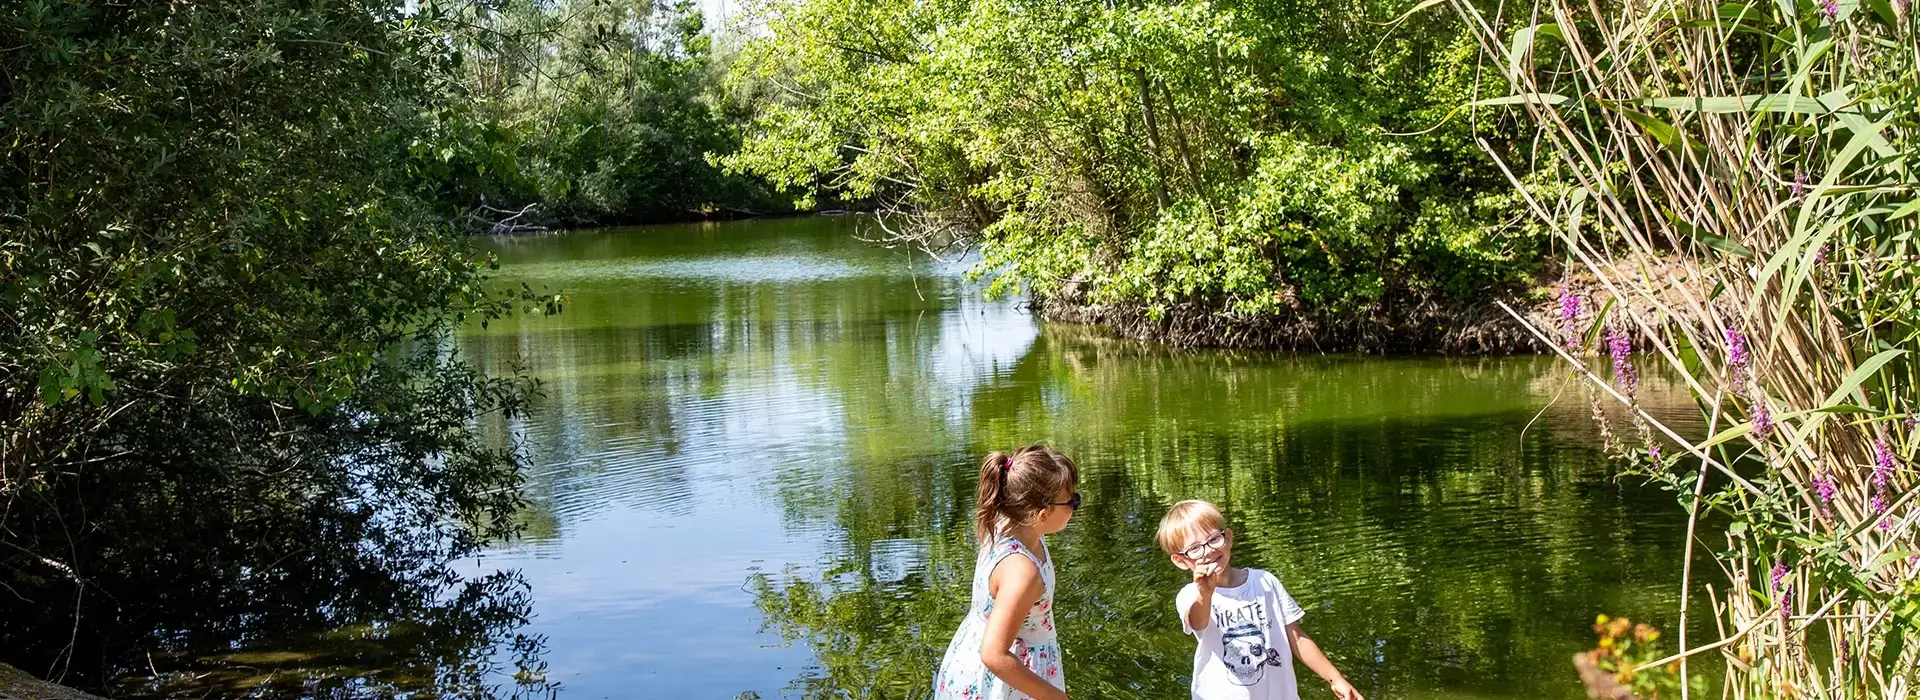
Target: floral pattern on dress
x,y
1036,644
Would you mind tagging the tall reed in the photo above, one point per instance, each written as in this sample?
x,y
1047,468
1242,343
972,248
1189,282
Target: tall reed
x,y
1742,189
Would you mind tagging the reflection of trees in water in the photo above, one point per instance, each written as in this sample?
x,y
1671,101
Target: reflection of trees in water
x,y
239,549
634,383
1435,544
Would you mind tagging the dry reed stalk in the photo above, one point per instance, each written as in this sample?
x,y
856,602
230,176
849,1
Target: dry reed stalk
x,y
1788,303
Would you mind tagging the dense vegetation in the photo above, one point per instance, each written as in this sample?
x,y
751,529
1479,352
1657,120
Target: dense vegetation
x,y
608,109
233,238
1743,182
1270,162
226,262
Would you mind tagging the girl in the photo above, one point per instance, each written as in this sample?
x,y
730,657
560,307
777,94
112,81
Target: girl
x,y
1006,648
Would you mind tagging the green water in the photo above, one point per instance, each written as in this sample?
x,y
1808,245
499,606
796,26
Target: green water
x,y
755,453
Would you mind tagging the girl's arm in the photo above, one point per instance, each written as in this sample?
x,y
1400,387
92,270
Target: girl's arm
x,y
1311,655
1016,586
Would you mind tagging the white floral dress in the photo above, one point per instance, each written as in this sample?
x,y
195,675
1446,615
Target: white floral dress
x,y
962,677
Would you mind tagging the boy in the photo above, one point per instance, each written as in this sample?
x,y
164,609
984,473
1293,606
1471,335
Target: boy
x,y
1247,626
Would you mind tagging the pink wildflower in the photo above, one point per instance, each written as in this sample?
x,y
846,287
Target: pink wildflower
x,y
1620,347
1883,464
1569,312
1824,488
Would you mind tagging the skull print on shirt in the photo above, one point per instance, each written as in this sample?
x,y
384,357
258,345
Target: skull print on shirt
x,y
1245,650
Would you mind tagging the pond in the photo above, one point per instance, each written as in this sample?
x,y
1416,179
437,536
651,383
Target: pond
x,y
755,452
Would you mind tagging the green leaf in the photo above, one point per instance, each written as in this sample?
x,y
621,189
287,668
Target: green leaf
x,y
1424,4
1667,134
1742,104
1883,11
1895,646
1689,355
1520,99
1868,133
1599,322
1860,376
1728,434
1711,240
1522,46
1844,408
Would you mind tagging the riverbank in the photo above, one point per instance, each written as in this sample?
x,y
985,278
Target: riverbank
x,y
16,684
1426,326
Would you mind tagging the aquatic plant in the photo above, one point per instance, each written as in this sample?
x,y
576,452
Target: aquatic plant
x,y
1743,189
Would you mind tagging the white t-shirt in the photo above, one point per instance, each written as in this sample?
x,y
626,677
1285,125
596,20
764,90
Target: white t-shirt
x,y
1243,652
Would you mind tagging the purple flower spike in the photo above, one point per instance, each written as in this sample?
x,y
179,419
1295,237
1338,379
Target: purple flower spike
x,y
1762,420
1569,313
1738,358
1830,8
1799,184
1653,451
1621,348
1782,588
1878,503
1882,464
1737,348
1824,488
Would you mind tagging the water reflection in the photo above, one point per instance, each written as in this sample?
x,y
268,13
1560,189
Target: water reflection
x,y
774,403
314,559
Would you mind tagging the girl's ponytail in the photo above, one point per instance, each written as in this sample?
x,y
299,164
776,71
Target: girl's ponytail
x,y
1016,487
993,487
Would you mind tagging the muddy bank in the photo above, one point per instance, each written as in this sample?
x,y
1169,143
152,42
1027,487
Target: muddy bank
x,y
1478,329
1419,326
15,684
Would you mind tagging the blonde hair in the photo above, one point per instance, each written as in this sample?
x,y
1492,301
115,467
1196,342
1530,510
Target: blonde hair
x,y
1185,518
1016,487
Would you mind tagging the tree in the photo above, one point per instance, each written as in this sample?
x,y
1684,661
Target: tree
x,y
226,261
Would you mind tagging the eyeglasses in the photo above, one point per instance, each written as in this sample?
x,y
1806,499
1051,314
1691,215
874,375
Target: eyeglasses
x,y
1200,549
1072,503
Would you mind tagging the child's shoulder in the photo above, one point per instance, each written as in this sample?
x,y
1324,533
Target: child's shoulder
x,y
1263,576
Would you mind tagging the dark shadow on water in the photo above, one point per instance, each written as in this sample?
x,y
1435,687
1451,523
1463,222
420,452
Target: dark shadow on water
x,y
239,550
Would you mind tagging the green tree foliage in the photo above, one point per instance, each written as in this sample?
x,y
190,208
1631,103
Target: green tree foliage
x,y
226,259
613,107
1240,156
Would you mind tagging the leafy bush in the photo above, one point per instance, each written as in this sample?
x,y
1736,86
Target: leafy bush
x,y
1243,156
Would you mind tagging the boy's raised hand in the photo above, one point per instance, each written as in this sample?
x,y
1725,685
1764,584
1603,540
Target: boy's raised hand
x,y
1203,576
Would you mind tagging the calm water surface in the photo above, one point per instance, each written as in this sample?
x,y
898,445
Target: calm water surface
x,y
755,454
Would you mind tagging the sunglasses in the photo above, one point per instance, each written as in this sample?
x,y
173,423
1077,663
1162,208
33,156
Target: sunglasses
x,y
1200,549
1072,503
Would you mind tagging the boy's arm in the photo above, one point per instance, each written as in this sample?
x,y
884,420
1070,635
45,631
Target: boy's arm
x,y
1311,655
1199,612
